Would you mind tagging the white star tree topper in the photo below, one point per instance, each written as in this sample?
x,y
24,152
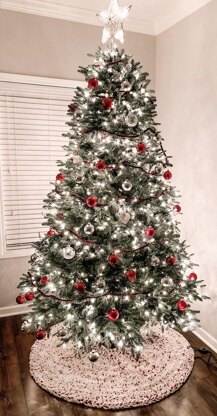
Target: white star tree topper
x,y
112,20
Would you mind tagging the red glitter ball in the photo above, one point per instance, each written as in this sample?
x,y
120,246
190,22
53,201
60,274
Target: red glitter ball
x,y
167,175
51,232
29,296
20,299
141,148
171,260
177,208
44,280
60,177
107,103
192,276
93,83
130,275
91,201
113,259
41,334
101,165
80,286
150,232
181,305
113,315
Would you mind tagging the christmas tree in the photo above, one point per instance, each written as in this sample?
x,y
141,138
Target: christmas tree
x,y
112,260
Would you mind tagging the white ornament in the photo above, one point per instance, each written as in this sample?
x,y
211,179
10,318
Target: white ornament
x,y
68,252
126,86
124,217
112,20
127,185
89,229
77,159
131,120
167,281
155,261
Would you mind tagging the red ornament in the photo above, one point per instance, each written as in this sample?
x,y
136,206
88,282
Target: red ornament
x,y
113,315
80,286
60,177
107,103
167,175
101,165
29,296
150,232
130,275
41,334
181,305
177,208
91,201
44,280
93,83
141,148
51,232
171,260
20,299
192,276
113,259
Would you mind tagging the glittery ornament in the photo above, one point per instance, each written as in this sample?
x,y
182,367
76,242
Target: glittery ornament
x,y
130,275
89,229
93,356
167,281
80,286
20,299
126,86
181,305
167,175
113,259
44,280
80,178
101,283
93,83
192,276
77,159
68,252
50,233
107,103
60,177
24,326
113,315
100,165
124,217
127,185
29,296
91,201
155,261
150,232
34,257
41,334
171,260
131,120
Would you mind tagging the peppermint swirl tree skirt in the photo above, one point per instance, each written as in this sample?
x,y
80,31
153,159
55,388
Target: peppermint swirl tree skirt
x,y
116,380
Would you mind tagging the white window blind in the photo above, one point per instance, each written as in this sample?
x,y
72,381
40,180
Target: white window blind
x,y
32,120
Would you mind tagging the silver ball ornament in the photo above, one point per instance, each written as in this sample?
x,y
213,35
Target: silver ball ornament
x,y
89,229
101,283
93,356
131,120
126,86
24,326
167,281
68,252
124,217
127,185
155,261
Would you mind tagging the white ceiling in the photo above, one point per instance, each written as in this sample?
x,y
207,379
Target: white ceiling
x,y
146,16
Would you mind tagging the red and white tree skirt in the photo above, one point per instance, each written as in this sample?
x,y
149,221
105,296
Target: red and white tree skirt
x,y
116,380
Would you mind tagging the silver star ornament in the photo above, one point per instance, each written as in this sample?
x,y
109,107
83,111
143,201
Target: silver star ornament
x,y
112,20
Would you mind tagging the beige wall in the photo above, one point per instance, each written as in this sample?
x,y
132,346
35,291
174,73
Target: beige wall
x,y
47,47
186,85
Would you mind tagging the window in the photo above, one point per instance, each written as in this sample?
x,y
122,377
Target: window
x,y
33,113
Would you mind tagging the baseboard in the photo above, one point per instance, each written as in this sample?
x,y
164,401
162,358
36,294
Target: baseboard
x,y
13,310
206,338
